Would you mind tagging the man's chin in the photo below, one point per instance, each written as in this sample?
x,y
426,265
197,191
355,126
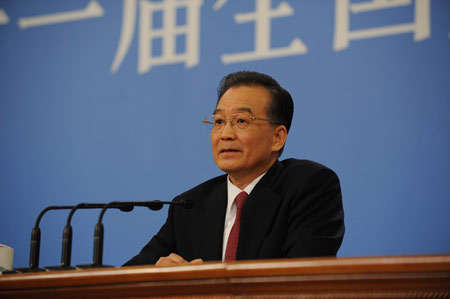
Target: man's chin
x,y
228,167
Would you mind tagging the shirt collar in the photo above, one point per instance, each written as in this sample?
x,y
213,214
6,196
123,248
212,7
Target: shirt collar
x,y
233,191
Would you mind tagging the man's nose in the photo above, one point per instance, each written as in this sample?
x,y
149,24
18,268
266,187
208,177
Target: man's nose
x,y
228,131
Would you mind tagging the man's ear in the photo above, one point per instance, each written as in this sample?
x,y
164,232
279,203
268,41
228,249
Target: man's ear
x,y
279,138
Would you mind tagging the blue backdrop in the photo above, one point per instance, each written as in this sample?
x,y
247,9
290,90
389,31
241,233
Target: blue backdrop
x,y
103,100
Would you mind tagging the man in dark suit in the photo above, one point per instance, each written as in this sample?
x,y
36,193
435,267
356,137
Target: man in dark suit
x,y
262,208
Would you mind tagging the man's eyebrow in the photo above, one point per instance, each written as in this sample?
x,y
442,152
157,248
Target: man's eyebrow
x,y
240,109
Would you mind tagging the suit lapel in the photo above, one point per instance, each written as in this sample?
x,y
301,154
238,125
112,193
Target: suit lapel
x,y
213,225
258,213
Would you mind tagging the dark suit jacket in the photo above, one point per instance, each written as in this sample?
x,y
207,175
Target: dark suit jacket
x,y
295,210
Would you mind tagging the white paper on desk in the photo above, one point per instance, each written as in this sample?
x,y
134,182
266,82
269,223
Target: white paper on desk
x,y
6,257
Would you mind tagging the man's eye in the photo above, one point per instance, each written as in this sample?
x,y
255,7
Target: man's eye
x,y
218,121
242,120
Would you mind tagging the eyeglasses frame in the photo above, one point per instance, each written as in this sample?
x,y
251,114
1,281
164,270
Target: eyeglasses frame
x,y
227,119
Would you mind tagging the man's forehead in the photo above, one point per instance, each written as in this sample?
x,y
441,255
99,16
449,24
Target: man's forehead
x,y
253,99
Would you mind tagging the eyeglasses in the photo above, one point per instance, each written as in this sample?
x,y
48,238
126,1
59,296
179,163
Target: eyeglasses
x,y
241,120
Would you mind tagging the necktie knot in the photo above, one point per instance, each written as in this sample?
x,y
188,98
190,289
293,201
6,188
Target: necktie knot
x,y
240,199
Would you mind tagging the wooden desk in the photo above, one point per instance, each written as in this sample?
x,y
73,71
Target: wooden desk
x,y
368,277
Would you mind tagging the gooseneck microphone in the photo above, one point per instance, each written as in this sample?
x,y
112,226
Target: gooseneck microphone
x,y
98,234
35,243
67,233
66,248
99,229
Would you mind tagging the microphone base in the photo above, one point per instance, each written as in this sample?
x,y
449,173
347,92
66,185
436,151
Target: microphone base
x,y
59,268
23,270
92,266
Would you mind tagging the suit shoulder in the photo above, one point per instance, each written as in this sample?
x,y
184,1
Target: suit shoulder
x,y
205,187
305,168
300,164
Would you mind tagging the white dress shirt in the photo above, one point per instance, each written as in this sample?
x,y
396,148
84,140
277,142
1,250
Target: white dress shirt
x,y
230,215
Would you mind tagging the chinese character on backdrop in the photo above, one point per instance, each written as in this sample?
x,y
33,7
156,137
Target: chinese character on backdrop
x,y
262,17
165,34
345,9
92,10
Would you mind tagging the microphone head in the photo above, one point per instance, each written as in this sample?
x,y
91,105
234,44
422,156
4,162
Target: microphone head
x,y
126,208
155,205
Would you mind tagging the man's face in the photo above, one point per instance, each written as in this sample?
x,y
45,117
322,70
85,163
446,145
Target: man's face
x,y
244,153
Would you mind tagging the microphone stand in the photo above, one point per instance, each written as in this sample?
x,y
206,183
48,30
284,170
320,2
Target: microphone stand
x,y
35,243
99,229
66,248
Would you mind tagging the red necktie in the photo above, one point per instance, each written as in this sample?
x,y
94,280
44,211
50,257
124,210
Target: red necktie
x,y
233,238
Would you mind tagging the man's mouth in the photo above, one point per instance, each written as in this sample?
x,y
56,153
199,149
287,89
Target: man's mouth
x,y
229,150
